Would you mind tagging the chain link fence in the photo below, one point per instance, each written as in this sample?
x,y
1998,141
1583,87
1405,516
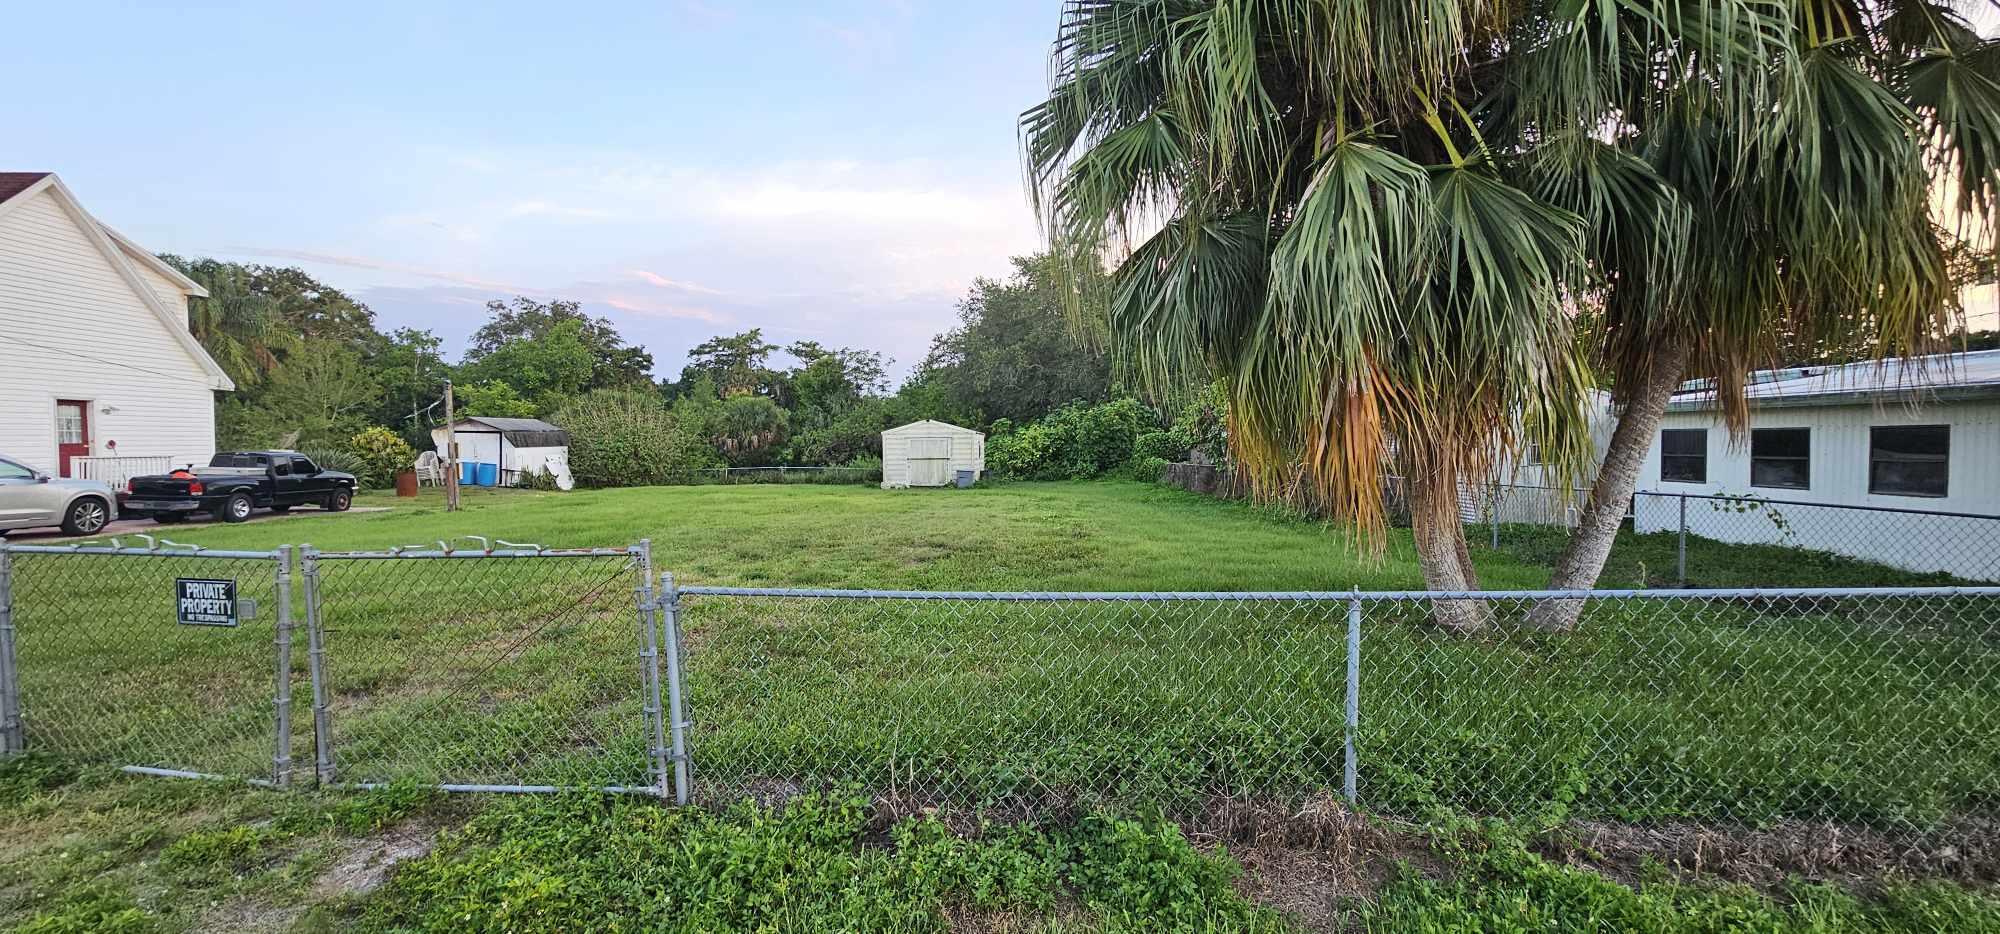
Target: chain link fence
x,y
524,669
512,669
119,656
1694,539
1867,706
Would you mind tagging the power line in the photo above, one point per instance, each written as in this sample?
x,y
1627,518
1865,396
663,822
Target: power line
x,y
84,356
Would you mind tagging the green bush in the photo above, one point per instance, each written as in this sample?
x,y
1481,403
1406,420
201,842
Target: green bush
x,y
1075,442
1158,445
344,460
381,455
628,438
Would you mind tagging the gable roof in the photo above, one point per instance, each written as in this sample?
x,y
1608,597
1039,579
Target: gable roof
x,y
120,252
13,183
1936,378
932,424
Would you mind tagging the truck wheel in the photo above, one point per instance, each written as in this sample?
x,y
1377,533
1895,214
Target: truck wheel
x,y
237,508
86,516
339,501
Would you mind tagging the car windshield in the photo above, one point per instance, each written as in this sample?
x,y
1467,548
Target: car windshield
x,y
12,471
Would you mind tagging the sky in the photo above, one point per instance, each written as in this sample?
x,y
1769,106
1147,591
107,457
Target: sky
x,y
834,170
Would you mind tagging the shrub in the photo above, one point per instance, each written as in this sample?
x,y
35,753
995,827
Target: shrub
x,y
382,455
1075,442
628,438
1158,445
343,460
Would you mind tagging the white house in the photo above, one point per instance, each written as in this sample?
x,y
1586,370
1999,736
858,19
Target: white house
x,y
99,375
1907,436
930,453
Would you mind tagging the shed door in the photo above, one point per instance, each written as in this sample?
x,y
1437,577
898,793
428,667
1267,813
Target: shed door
x,y
930,461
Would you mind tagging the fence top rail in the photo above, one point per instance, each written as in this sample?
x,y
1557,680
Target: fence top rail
x,y
164,549
415,552
1338,595
1751,498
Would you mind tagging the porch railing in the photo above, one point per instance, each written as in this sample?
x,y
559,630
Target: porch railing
x,y
116,470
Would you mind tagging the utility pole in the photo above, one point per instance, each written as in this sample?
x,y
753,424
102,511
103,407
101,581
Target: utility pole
x,y
451,452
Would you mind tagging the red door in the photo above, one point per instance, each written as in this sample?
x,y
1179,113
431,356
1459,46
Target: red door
x,y
72,432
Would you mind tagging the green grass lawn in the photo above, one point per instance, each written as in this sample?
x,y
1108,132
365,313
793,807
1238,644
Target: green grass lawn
x,y
528,671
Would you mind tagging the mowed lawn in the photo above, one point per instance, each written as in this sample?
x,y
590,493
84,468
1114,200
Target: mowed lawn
x,y
1109,535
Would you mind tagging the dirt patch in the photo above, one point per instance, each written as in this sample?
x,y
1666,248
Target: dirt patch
x,y
246,914
365,864
1966,850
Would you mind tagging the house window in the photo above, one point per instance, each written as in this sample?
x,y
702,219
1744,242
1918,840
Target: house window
x,y
1684,455
1781,458
69,424
1909,461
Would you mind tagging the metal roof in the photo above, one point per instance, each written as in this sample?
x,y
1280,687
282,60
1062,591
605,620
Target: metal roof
x,y
1936,378
520,432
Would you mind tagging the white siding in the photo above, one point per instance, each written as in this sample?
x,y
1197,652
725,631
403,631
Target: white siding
x,y
72,328
967,450
1839,451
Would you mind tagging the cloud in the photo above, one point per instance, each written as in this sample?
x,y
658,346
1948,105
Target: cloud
x,y
666,283
364,262
546,209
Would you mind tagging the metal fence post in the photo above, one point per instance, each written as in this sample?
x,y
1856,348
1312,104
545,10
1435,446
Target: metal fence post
x,y
649,671
316,661
1350,764
1681,552
281,756
13,739
1493,507
670,628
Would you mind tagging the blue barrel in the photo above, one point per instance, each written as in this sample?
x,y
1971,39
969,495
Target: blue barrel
x,y
468,473
488,475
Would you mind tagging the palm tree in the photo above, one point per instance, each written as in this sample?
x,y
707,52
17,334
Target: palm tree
x,y
1323,206
238,324
1378,220
1828,225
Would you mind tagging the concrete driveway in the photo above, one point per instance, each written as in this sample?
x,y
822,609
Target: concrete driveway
x,y
149,527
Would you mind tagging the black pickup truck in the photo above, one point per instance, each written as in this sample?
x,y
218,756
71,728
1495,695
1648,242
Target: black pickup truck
x,y
232,485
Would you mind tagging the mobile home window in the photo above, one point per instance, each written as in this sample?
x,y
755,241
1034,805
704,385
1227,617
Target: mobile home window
x,y
1684,455
1781,457
1909,460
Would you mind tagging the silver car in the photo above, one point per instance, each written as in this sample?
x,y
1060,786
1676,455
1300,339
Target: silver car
x,y
30,499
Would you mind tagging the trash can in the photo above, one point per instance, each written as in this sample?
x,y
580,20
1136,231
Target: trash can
x,y
964,479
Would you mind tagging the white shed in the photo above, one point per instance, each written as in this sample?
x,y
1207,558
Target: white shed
x,y
930,453
499,451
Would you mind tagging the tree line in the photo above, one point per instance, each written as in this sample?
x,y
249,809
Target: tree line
x,y
315,372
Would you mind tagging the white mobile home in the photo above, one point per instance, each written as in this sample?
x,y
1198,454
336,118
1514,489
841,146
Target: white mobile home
x,y
1920,434
100,377
930,453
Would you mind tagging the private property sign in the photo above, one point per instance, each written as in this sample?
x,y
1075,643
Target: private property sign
x,y
205,602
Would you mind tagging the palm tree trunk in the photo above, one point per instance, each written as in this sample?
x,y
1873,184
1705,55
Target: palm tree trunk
x,y
1442,554
1589,546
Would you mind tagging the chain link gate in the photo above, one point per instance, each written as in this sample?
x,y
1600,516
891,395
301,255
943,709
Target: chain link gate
x,y
161,661
511,669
